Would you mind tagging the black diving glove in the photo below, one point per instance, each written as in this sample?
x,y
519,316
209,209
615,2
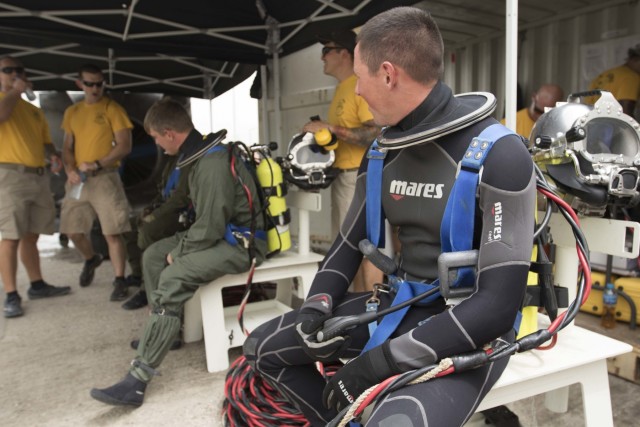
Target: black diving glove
x,y
314,312
366,370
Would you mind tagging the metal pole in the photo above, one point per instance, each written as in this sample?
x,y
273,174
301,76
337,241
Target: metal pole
x,y
511,63
264,104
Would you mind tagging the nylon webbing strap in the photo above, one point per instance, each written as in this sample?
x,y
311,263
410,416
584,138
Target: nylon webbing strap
x,y
390,322
171,183
375,220
456,232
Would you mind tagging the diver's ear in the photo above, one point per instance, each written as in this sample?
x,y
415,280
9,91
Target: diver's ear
x,y
389,73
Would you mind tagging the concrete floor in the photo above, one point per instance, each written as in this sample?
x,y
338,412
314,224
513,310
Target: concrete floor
x,y
52,356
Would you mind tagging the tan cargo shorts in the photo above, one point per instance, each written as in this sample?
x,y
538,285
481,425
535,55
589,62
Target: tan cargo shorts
x,y
102,196
26,204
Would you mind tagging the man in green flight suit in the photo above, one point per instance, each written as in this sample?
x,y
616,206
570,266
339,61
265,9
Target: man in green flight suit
x,y
174,267
164,217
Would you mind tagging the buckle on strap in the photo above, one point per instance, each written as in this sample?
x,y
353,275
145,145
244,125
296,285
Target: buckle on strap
x,y
161,311
148,369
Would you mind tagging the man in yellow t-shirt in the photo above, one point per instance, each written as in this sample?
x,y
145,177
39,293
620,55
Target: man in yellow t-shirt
x,y
352,123
26,206
545,97
97,135
623,82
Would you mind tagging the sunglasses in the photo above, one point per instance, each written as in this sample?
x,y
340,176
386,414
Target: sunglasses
x,y
10,70
92,84
328,49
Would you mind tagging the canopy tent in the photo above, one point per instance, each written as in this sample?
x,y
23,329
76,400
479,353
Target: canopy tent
x,y
201,48
197,48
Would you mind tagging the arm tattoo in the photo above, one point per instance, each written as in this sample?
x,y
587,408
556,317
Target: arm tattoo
x,y
362,136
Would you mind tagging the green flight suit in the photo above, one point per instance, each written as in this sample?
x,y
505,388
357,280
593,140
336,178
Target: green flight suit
x,y
200,254
161,218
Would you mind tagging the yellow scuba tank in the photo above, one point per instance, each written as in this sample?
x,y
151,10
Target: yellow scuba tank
x,y
271,180
326,139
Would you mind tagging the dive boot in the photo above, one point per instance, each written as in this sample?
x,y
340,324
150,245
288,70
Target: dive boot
x,y
129,391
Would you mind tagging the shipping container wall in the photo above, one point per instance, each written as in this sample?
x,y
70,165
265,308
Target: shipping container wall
x,y
551,52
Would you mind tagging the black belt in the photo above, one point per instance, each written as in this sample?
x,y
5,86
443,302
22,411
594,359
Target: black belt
x,y
101,171
22,168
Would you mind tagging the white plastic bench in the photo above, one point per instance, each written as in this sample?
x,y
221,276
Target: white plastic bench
x,y
205,316
579,357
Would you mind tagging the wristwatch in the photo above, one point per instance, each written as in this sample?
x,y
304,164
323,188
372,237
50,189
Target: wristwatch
x,y
98,166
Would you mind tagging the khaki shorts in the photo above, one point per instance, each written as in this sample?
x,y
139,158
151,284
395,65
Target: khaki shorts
x,y
342,190
26,205
103,197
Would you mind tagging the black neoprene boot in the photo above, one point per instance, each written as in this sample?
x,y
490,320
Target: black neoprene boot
x,y
129,391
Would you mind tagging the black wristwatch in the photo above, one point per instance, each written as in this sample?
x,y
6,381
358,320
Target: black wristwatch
x,y
98,166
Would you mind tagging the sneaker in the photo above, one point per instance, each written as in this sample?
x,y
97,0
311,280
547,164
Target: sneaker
x,y
12,307
175,345
119,290
133,280
89,270
128,392
137,301
48,291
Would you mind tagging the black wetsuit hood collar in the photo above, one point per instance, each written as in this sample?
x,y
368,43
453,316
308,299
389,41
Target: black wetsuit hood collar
x,y
440,112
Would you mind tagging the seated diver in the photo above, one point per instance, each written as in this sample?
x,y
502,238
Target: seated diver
x,y
399,61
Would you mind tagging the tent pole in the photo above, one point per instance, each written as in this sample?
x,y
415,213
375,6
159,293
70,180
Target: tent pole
x,y
511,63
276,97
263,104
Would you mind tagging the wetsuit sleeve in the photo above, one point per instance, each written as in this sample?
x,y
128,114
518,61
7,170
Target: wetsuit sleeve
x,y
507,203
343,259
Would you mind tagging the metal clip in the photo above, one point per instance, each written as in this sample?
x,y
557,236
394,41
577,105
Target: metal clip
x,y
377,288
241,238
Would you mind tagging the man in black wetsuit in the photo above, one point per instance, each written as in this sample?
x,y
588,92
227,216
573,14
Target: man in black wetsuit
x,y
398,61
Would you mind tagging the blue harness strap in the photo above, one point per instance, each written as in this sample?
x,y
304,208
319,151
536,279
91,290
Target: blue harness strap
x,y
233,232
375,214
171,183
456,228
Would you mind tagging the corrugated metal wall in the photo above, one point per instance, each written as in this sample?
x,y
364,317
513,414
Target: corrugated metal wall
x,y
548,53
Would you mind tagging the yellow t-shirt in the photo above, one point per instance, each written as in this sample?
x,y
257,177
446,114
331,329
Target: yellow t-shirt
x,y
351,111
93,127
24,135
524,124
622,82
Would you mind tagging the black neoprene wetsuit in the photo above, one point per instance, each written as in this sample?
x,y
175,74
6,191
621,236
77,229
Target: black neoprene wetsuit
x,y
504,244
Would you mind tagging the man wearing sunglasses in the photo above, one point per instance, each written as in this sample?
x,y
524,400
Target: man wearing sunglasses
x,y
26,206
545,97
97,135
351,122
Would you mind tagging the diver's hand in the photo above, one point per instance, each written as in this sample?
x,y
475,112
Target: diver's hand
x,y
361,373
312,315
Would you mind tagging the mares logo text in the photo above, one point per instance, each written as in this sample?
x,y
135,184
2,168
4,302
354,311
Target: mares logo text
x,y
399,189
495,234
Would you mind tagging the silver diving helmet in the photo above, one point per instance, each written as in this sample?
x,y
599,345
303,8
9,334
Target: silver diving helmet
x,y
592,153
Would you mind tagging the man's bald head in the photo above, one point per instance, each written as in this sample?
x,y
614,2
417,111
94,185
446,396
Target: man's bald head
x,y
545,97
